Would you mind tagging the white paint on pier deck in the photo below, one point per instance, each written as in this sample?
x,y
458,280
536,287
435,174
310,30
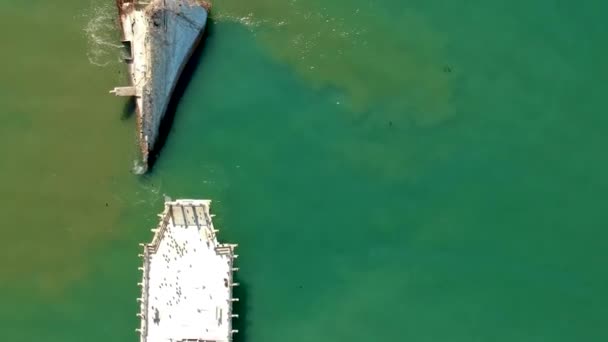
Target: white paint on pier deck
x,y
187,282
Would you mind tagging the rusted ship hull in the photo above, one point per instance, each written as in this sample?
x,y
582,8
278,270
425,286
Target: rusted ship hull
x,y
159,38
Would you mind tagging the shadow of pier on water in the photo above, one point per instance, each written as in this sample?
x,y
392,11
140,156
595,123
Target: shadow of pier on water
x,y
240,308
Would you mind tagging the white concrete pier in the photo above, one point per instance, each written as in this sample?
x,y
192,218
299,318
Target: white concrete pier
x,y
187,278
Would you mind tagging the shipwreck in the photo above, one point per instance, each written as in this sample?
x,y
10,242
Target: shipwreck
x,y
159,37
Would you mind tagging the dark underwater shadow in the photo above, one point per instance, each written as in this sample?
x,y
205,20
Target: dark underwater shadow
x,y
240,308
180,88
128,109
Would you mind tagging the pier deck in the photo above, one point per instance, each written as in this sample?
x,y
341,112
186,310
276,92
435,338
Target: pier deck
x,y
187,278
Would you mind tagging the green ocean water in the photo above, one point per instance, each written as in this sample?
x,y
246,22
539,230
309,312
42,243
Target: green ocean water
x,y
392,171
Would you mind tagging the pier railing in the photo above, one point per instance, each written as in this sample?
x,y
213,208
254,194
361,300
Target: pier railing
x,y
145,287
159,232
150,248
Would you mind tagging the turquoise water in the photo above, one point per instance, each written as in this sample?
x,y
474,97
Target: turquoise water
x,y
424,172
